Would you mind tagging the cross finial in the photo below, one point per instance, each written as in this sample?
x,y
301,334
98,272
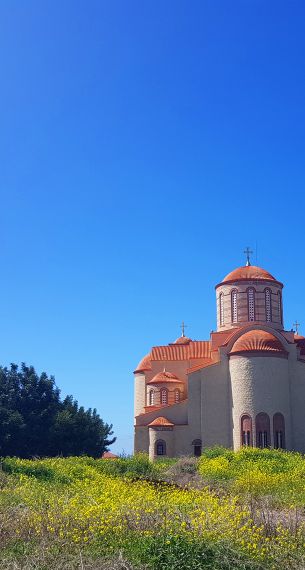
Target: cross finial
x,y
296,325
248,252
183,327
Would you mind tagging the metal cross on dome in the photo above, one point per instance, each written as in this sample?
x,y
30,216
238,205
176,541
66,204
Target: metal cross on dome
x,y
296,325
183,327
248,252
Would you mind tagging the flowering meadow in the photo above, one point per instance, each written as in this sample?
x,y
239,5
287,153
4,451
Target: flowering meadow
x,y
240,510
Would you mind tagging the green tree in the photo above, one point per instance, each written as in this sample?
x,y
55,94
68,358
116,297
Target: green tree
x,y
34,421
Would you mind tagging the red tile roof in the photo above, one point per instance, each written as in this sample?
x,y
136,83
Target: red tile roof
x,y
161,421
257,340
248,272
144,364
202,363
182,340
109,455
195,349
165,376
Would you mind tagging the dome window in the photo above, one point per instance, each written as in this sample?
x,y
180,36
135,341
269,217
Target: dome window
x,y
221,310
164,396
177,396
151,397
234,305
251,304
268,305
280,307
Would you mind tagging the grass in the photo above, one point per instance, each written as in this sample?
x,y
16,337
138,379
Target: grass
x,y
226,510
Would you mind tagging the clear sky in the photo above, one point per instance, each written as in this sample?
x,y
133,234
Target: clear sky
x,y
143,146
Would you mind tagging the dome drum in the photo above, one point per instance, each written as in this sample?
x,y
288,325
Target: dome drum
x,y
243,302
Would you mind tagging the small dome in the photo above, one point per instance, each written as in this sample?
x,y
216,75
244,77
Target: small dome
x,y
256,341
248,272
298,337
144,364
182,340
161,421
163,377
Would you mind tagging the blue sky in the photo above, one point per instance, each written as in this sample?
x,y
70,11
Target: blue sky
x,y
143,146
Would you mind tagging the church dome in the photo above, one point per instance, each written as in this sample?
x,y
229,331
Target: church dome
x,y
163,377
257,341
247,273
182,340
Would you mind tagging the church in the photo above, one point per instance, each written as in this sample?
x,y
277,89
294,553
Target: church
x,y
245,386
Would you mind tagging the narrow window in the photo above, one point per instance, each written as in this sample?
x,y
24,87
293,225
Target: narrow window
x,y
246,430
151,397
262,430
251,304
164,397
279,431
279,297
177,396
221,310
161,447
268,305
234,305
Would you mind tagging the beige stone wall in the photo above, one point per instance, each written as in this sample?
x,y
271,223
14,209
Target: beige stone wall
x,y
216,424
259,384
297,371
242,304
141,439
139,393
177,414
164,434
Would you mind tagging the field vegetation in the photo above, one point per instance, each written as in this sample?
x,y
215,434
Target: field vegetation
x,y
223,511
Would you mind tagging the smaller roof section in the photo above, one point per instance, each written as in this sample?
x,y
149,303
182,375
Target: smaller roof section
x,y
165,376
182,340
161,421
248,273
144,364
109,455
257,341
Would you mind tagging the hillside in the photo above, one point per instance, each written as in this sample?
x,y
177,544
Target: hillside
x,y
226,510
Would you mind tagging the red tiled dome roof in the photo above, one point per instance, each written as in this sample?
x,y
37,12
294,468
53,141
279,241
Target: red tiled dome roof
x,y
248,272
256,341
144,364
299,337
161,421
182,340
165,376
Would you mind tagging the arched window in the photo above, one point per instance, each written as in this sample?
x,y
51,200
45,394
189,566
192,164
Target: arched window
x,y
234,305
262,424
160,447
164,396
268,305
151,397
197,447
279,431
221,310
177,396
280,306
251,304
246,430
